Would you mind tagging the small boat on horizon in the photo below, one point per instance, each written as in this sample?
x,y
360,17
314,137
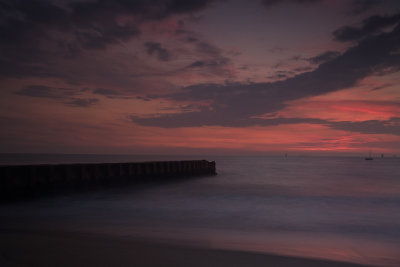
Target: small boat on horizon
x,y
369,158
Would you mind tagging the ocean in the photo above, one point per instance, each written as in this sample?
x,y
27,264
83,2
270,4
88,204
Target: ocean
x,y
340,208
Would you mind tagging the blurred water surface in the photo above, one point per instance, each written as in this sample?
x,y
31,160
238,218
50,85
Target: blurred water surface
x,y
336,208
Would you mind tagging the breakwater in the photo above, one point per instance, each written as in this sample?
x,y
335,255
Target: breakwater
x,y
26,181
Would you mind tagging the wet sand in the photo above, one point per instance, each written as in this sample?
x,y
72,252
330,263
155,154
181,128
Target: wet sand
x,y
40,248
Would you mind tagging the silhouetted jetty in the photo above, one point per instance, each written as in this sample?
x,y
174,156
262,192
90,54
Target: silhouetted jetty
x,y
26,181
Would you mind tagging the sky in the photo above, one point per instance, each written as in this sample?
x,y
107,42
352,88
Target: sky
x,y
319,77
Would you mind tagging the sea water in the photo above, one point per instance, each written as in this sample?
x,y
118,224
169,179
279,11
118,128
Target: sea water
x,y
340,208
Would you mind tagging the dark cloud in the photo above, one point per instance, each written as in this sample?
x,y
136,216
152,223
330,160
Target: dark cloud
x,y
355,7
111,93
212,60
197,64
81,102
66,96
209,63
26,21
281,74
237,104
106,92
278,76
361,6
101,17
154,48
207,48
302,69
371,25
269,3
381,87
94,23
324,57
191,39
190,119
47,92
391,126
35,35
144,98
101,38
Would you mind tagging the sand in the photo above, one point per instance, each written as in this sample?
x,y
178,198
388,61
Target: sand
x,y
41,248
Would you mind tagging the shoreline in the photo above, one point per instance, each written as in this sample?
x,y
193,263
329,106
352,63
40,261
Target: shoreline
x,y
45,248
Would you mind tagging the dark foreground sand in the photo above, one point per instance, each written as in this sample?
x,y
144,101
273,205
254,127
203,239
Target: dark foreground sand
x,y
70,249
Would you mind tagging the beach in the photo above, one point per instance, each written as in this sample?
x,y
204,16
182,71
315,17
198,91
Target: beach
x,y
41,248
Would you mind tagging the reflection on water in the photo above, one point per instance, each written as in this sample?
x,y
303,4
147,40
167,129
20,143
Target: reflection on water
x,y
337,208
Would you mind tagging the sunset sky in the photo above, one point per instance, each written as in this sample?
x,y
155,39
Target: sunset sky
x,y
200,76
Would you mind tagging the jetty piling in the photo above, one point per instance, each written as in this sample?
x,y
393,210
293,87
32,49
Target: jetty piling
x,y
25,181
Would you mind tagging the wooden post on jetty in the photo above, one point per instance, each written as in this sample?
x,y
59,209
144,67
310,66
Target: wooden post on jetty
x,y
32,180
